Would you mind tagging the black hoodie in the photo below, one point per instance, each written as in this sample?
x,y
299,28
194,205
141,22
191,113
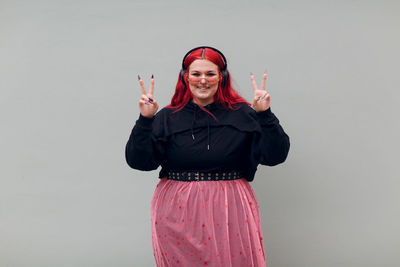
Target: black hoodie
x,y
192,140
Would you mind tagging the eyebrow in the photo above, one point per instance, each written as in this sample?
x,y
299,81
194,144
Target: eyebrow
x,y
208,71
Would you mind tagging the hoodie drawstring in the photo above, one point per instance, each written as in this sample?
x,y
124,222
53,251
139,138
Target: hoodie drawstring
x,y
208,127
208,133
194,119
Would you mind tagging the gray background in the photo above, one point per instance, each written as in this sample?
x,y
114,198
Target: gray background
x,y
69,97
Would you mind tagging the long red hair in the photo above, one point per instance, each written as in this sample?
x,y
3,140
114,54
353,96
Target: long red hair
x,y
225,95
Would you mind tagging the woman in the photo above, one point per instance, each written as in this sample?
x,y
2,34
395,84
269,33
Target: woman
x,y
208,142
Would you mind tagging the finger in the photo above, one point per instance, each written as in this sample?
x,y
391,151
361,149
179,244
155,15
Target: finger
x,y
151,85
142,86
145,98
150,96
254,102
263,97
142,102
253,82
263,81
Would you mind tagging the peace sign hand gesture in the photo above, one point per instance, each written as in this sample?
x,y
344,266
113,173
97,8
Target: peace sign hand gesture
x,y
147,105
262,99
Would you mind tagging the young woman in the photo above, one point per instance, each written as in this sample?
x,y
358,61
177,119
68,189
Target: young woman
x,y
209,142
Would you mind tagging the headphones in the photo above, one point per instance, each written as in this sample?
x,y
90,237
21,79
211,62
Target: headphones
x,y
224,71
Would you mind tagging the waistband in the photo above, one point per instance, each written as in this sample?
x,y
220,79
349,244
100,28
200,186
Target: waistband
x,y
203,176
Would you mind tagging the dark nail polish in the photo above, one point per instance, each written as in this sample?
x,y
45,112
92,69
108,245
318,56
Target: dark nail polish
x,y
152,76
150,100
138,77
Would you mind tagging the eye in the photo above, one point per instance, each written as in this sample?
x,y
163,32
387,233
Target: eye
x,y
195,74
211,74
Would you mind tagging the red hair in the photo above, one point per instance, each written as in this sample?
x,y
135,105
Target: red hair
x,y
225,95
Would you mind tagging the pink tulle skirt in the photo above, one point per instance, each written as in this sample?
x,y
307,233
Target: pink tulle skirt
x,y
206,223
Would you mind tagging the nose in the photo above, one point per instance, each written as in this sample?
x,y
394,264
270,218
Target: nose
x,y
203,79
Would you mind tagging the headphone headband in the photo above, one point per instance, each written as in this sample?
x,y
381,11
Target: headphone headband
x,y
204,47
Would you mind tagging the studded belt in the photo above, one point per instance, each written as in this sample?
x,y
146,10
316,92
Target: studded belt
x,y
203,176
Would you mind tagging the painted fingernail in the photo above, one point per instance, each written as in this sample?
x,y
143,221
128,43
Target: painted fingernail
x,y
251,74
138,77
150,100
152,76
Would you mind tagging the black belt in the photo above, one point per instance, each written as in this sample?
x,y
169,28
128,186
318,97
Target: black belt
x,y
203,176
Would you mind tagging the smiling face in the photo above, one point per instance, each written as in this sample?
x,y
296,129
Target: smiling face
x,y
203,79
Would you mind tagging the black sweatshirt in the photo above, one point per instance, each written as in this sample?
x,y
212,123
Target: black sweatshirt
x,y
192,140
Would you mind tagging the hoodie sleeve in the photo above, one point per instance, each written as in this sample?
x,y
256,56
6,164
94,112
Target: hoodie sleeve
x,y
144,150
274,142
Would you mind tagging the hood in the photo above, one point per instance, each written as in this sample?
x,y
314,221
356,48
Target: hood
x,y
191,117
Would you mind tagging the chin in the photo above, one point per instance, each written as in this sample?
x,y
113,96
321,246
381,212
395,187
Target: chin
x,y
205,98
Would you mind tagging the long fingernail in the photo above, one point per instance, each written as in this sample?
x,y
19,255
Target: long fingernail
x,y
266,71
251,74
138,77
152,76
150,100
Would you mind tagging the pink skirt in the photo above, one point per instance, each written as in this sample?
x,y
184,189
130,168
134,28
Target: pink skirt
x,y
213,223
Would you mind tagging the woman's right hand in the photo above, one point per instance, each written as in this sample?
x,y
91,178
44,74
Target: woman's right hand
x,y
147,105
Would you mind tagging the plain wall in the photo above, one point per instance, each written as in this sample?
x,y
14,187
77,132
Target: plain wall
x,y
69,98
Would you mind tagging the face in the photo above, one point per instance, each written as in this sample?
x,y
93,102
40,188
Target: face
x,y
203,78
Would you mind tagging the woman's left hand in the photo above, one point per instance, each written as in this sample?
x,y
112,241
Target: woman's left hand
x,y
262,99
